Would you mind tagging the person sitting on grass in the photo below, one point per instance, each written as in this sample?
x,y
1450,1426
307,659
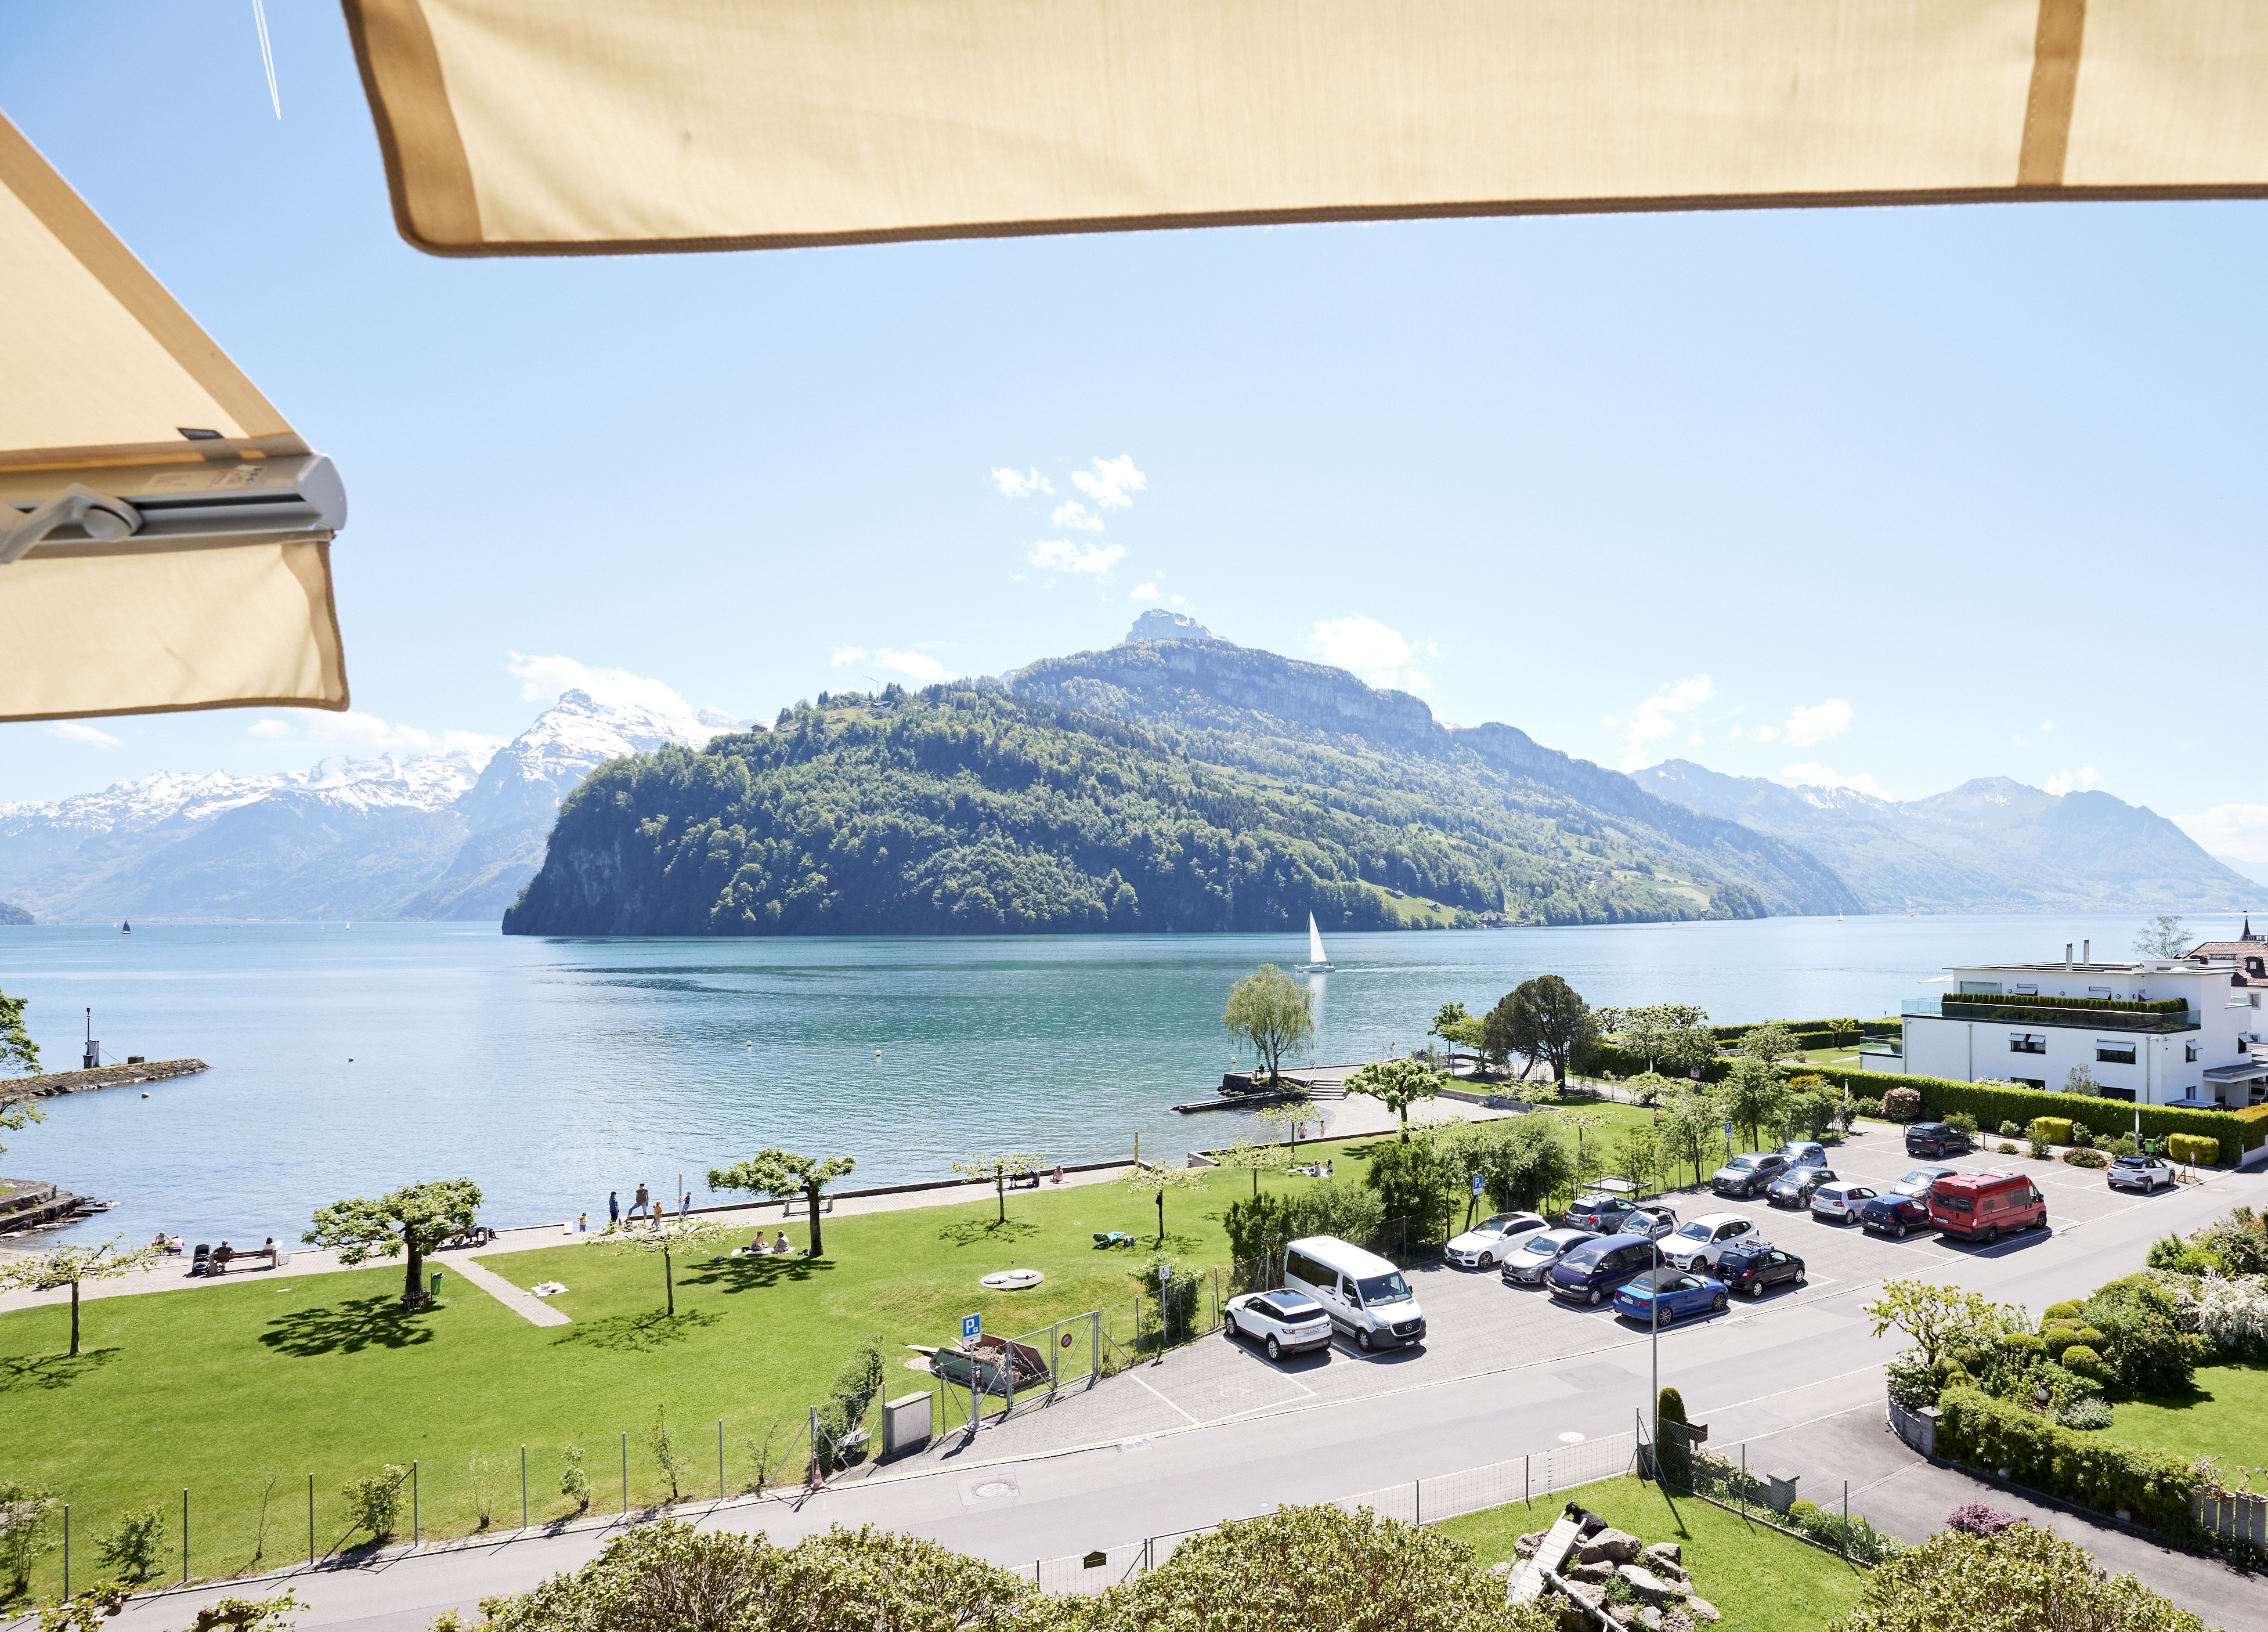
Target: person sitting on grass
x,y
781,1245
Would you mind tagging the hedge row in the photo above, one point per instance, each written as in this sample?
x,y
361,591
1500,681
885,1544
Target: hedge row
x,y
1629,1062
2193,1148
1886,1027
2026,1000
1990,1106
1975,1427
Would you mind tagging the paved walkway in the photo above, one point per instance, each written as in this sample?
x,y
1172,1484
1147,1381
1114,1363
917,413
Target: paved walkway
x,y
522,1302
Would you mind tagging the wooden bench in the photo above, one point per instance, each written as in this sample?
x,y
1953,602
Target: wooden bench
x,y
215,1264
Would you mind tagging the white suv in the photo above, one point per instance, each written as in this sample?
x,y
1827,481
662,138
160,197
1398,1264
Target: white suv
x,y
1699,1245
2145,1174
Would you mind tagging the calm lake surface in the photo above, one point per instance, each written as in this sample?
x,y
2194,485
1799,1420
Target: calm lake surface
x,y
349,1061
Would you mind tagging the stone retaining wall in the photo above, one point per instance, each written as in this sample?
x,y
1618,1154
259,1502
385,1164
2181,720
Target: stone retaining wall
x,y
53,1083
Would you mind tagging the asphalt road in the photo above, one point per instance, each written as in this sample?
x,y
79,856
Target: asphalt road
x,y
1758,1370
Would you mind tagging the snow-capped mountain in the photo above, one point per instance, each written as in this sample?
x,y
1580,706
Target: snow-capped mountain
x,y
442,835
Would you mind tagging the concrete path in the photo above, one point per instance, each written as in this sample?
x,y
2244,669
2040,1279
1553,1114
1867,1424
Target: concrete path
x,y
522,1302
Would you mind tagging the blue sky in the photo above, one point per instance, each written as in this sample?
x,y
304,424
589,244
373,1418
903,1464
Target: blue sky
x,y
1906,496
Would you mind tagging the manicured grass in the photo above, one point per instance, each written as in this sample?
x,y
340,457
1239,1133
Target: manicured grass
x,y
1759,1580
2225,1414
225,1389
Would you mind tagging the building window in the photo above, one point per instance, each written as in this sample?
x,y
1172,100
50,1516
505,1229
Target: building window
x,y
2028,991
2030,1081
2189,1054
1980,989
2252,966
2120,1052
2028,1043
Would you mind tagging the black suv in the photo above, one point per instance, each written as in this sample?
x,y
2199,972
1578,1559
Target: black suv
x,y
1936,1139
1753,1266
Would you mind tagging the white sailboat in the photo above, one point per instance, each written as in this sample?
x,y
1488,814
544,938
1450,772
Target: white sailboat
x,y
1316,964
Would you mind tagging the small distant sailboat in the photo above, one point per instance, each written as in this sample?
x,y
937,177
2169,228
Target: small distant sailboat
x,y
1316,964
125,929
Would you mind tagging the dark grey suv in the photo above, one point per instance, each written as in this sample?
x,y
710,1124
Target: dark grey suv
x,y
1745,1175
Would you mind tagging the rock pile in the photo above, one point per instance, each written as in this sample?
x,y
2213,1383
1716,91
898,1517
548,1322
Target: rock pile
x,y
1614,1578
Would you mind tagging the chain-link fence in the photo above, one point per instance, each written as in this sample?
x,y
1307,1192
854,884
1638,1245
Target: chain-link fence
x,y
1779,1484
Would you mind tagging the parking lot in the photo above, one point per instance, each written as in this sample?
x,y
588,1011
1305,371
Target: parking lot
x,y
1477,1323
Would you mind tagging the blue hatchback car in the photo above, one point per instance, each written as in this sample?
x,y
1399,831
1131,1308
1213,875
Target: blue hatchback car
x,y
1592,1271
1677,1293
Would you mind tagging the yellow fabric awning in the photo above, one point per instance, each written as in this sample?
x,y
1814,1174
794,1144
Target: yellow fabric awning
x,y
165,536
556,127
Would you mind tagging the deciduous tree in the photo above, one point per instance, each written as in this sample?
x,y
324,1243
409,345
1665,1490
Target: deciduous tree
x,y
1940,1317
1288,1116
1688,1125
999,1167
2026,1577
413,1220
783,1173
68,1266
1771,1041
1244,1156
1397,1084
1674,1036
1751,1095
1273,1012
1545,1019
18,1054
1147,1179
2165,936
667,1240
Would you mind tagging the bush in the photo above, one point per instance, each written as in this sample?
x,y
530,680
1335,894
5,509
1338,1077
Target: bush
x,y
2194,1149
1869,1106
1854,1538
1977,1518
27,1515
134,1547
2080,1358
2005,1149
1913,1384
2025,1575
574,1483
2081,1136
2236,1130
2087,1159
1962,1121
2134,1323
1903,1105
2057,1338
2012,1130
2123,1145
374,1501
2087,1415
2054,1129
2239,1242
2068,1310
848,1397
1985,1432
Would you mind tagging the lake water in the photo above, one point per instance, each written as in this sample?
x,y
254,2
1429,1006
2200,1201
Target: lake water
x,y
349,1061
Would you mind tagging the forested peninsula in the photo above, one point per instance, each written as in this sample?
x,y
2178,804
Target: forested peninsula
x,y
968,810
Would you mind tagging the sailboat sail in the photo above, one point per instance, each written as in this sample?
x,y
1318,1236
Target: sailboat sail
x,y
1315,941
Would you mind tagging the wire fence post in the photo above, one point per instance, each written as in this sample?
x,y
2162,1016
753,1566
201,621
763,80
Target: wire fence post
x,y
626,1472
1418,1502
1527,1483
523,1487
1847,1518
1055,1374
185,1535
66,1550
311,1521
413,1503
720,1458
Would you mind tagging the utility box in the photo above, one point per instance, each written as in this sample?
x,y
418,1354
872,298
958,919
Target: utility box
x,y
1779,1489
905,1424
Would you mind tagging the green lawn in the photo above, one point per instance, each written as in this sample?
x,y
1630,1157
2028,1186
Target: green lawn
x,y
2225,1414
1759,1580
227,1389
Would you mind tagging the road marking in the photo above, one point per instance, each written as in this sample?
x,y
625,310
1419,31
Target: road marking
x,y
1156,1395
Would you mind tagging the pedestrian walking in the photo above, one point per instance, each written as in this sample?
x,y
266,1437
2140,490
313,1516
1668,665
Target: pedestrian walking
x,y
614,1208
643,1203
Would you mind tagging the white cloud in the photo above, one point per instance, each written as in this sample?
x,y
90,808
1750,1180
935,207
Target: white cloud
x,y
1765,733
543,679
1809,727
1413,681
1733,735
848,654
269,728
2064,781
1693,739
1063,556
1828,777
2047,725
1377,653
1111,481
913,664
1657,718
2238,830
71,730
1071,514
1021,483
367,733
1144,592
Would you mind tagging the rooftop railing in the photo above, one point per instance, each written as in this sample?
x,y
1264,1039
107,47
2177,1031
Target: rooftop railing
x,y
2015,1011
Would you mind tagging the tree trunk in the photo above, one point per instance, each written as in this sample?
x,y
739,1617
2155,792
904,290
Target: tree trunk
x,y
410,1290
1404,1112
811,1196
1161,1217
74,1348
1000,1189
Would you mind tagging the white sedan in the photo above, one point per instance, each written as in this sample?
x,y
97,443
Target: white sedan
x,y
2145,1174
1493,1240
1280,1322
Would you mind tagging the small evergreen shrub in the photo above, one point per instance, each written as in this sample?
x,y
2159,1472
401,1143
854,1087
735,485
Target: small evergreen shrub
x,y
2193,1148
2054,1129
2087,1159
1964,1122
1869,1106
2087,1362
2012,1130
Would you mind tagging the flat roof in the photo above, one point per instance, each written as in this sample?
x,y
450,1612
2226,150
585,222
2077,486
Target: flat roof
x,y
2150,965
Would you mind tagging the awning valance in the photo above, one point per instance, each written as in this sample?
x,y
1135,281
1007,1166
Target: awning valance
x,y
540,127
164,535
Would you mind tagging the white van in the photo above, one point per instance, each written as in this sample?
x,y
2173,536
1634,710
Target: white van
x,y
1365,1296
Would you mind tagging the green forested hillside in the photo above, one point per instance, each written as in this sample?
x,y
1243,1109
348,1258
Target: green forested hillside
x,y
970,811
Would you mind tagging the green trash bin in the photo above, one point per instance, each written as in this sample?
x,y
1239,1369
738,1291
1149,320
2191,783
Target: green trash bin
x,y
436,1283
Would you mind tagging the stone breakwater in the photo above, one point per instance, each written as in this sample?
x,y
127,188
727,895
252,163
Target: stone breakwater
x,y
53,1083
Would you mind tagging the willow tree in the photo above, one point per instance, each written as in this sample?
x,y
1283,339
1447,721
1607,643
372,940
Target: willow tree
x,y
1273,1012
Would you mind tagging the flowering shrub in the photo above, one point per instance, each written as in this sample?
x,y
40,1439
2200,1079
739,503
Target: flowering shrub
x,y
1902,1105
2025,1575
1977,1518
2088,1414
2233,1310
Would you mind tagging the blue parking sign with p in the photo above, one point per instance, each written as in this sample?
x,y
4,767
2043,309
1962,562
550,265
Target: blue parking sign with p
x,y
1476,1184
971,1325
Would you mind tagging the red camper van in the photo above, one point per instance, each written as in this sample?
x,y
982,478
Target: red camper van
x,y
1983,1207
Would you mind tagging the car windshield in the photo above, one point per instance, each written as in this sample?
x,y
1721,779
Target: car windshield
x,y
1696,1231
1544,1245
1746,1163
1383,1288
1496,1225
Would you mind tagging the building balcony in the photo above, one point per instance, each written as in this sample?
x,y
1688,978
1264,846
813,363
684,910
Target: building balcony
x,y
2015,1011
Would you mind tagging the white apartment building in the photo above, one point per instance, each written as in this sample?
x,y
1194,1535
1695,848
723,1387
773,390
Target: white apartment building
x,y
2208,1052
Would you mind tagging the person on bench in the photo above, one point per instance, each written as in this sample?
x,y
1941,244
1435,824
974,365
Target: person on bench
x,y
218,1264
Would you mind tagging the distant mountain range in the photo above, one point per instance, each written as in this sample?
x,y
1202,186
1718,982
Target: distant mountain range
x,y
1991,845
447,835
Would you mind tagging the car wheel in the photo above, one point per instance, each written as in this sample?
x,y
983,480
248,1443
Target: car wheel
x,y
1275,1349
1756,1288
1594,1296
1991,1235
1362,1340
1898,1233
1668,1317
2042,1221
1718,1303
1228,1327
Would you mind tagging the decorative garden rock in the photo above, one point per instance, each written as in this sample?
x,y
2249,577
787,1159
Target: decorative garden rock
x,y
1618,1546
1702,1609
1643,1583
